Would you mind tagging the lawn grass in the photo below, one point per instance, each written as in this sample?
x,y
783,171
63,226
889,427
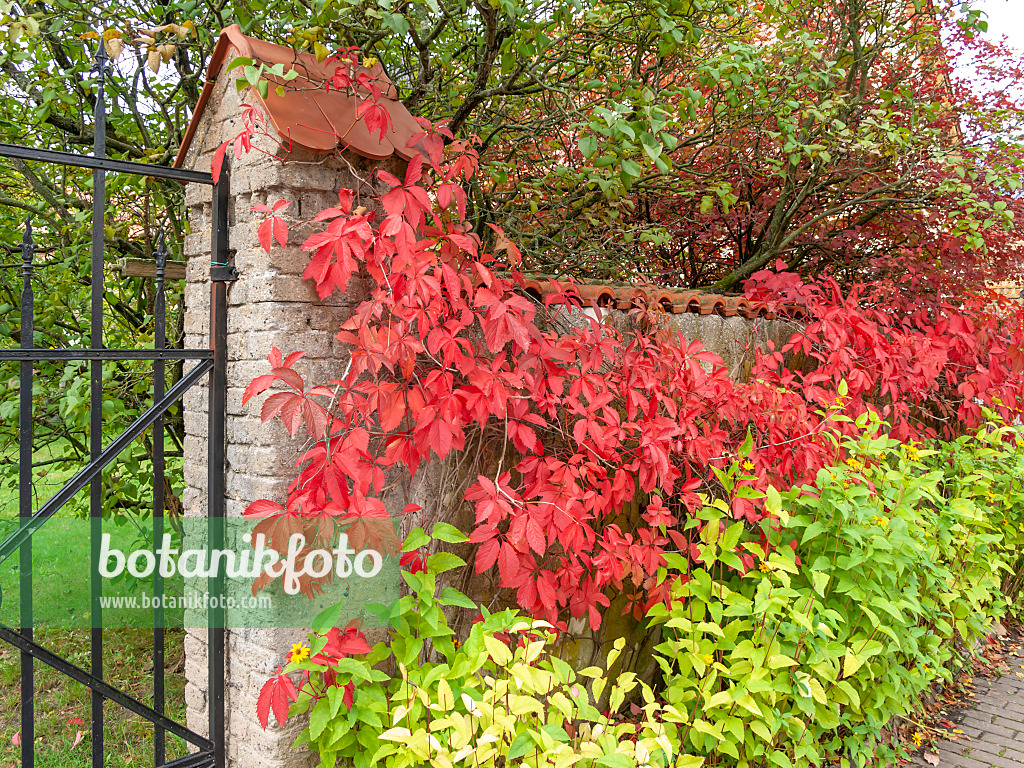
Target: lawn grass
x,y
61,560
60,555
63,706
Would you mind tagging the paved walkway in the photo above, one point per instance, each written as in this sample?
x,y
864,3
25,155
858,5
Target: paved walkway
x,y
993,726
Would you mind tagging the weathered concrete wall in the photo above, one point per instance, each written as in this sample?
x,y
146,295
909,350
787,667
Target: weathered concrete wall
x,y
731,338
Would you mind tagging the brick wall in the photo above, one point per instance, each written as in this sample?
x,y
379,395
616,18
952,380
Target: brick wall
x,y
269,305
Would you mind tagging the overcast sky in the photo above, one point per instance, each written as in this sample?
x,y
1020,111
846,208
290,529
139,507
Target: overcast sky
x,y
1005,17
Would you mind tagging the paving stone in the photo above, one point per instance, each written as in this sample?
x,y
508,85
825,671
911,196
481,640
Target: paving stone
x,y
954,759
1000,750
1008,723
992,726
1002,708
995,760
990,729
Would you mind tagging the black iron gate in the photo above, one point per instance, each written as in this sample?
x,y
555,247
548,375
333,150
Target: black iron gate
x,y
210,751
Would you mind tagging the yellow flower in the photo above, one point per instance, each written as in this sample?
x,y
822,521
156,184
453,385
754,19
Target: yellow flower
x,y
748,465
918,738
765,568
299,653
708,658
853,464
846,484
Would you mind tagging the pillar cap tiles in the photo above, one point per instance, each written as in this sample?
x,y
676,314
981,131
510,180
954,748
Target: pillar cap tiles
x,y
307,115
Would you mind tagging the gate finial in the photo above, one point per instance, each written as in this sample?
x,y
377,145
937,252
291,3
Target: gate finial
x,y
161,254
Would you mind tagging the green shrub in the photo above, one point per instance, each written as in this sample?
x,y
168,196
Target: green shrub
x,y
500,696
988,469
869,585
901,556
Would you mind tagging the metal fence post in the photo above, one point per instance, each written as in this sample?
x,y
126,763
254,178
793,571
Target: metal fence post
x,y
220,273
25,435
99,205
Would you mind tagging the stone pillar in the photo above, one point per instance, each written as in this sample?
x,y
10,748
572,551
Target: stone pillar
x,y
269,305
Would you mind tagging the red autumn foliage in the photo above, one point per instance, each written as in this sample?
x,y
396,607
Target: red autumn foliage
x,y
594,421
596,425
273,228
277,694
280,690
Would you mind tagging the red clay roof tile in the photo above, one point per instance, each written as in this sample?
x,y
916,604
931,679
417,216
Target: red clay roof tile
x,y
308,116
622,296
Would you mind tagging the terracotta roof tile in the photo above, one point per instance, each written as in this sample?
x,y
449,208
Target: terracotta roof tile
x,y
308,116
608,295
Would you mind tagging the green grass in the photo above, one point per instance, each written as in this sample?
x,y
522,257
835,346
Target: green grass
x,y
60,565
61,562
63,706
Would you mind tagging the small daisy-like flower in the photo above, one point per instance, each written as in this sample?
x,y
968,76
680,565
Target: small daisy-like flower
x,y
765,568
853,464
708,658
748,465
918,738
846,484
299,653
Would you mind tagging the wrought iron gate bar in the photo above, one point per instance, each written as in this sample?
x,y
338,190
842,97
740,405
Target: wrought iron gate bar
x,y
211,361
159,344
95,467
216,436
105,354
204,759
101,688
97,291
25,458
104,164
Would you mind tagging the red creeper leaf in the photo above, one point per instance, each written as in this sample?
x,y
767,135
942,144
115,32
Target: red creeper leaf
x,y
263,508
263,703
276,694
257,386
218,161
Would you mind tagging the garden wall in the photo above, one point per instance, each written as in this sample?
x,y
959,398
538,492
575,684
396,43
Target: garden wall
x,y
270,305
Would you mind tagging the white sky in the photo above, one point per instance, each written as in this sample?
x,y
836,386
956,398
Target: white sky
x,y
1005,17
